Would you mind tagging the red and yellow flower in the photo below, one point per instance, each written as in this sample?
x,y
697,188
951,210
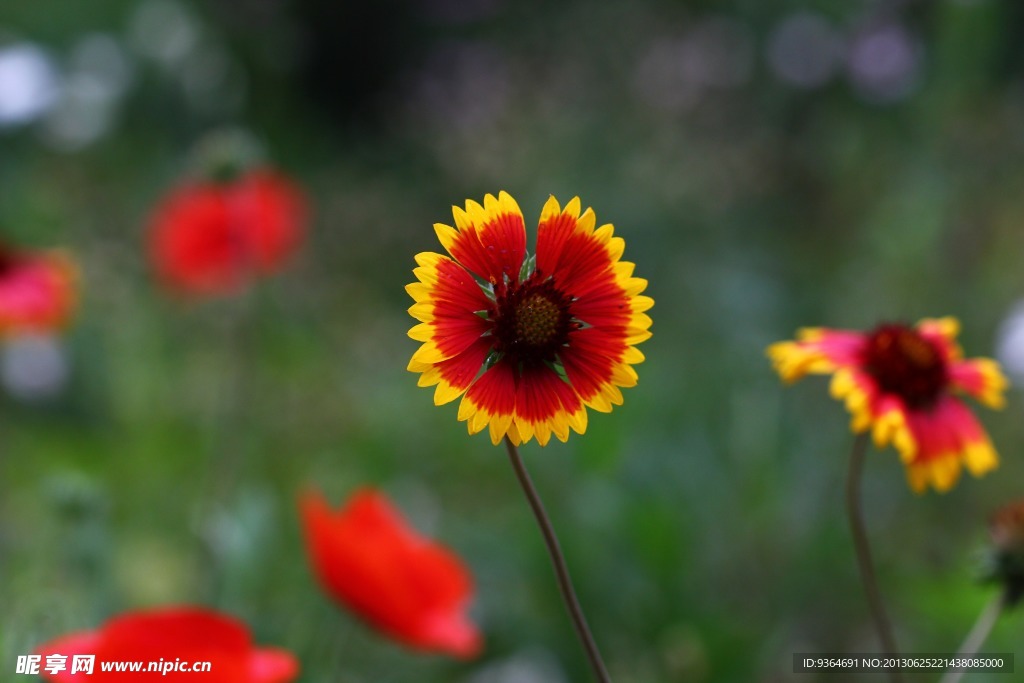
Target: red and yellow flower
x,y
37,291
902,384
528,342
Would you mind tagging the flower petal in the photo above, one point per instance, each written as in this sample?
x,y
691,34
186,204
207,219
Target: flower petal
x,y
593,363
491,402
454,375
210,238
170,634
272,665
982,379
817,350
947,436
942,331
270,214
569,250
490,240
545,404
369,559
37,293
447,299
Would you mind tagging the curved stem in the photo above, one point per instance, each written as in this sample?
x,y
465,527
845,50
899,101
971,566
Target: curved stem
x,y
572,604
863,551
979,632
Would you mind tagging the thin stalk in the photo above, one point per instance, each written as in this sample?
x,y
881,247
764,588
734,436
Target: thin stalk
x,y
572,604
226,439
863,552
979,632
235,392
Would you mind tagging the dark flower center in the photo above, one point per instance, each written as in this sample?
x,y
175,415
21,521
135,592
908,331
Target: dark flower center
x,y
906,364
537,320
531,320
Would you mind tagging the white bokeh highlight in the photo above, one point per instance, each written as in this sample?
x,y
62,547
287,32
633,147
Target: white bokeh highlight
x,y
33,367
29,84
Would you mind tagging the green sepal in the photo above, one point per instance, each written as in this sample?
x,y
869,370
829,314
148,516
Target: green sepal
x,y
492,359
528,268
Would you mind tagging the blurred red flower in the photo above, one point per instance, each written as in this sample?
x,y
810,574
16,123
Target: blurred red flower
x,y
182,636
37,290
211,237
412,589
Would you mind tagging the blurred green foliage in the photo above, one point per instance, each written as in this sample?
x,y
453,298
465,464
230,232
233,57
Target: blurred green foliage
x,y
874,175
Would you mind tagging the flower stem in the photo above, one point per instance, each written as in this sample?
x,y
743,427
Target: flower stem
x,y
226,439
863,550
572,604
979,632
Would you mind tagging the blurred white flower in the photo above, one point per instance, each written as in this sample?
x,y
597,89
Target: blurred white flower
x,y
29,83
805,50
101,58
715,53
885,63
534,666
82,114
718,52
1010,343
165,31
98,74
33,367
660,79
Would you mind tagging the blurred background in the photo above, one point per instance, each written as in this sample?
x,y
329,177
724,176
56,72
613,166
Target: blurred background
x,y
770,165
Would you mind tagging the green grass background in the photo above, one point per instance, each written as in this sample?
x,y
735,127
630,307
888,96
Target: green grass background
x,y
703,519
